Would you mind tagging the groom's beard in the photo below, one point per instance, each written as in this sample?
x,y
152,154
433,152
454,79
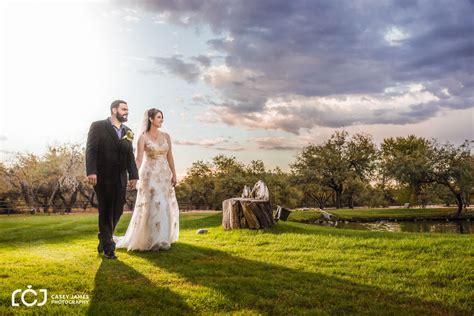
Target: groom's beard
x,y
121,118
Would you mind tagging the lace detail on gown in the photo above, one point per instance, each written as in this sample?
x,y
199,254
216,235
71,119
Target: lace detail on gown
x,y
155,220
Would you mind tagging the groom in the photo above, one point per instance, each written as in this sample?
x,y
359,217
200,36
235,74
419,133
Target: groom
x,y
109,156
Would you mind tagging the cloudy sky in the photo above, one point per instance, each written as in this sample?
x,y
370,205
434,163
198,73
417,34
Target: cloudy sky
x,y
253,79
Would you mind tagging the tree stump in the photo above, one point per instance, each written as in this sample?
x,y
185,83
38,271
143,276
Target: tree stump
x,y
247,213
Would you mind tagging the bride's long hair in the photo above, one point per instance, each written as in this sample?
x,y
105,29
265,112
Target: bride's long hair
x,y
151,115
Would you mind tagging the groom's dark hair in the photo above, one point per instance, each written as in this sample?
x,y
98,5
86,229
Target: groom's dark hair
x,y
116,104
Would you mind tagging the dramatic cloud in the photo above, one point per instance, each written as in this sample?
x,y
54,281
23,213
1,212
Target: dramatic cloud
x,y
204,60
199,99
285,59
234,148
202,142
211,143
413,104
176,66
276,143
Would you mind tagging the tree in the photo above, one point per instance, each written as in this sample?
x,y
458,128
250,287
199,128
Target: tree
x,y
408,160
199,185
454,168
282,189
318,193
256,168
354,187
8,194
69,185
209,184
55,179
420,163
376,196
230,178
336,161
31,176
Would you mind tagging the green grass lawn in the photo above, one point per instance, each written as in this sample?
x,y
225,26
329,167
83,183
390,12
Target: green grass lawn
x,y
383,213
293,268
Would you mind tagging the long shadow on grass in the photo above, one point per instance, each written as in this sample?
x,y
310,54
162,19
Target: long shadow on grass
x,y
121,290
271,289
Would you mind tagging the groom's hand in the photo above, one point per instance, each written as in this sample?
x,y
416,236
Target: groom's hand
x,y
92,179
132,184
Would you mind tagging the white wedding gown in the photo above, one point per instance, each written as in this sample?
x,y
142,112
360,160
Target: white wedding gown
x,y
155,220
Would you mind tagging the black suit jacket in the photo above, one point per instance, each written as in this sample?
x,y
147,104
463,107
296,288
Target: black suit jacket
x,y
109,157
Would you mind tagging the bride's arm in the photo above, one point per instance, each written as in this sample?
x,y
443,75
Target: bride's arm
x,y
169,156
140,150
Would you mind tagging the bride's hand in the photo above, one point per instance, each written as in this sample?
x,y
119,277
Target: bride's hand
x,y
173,180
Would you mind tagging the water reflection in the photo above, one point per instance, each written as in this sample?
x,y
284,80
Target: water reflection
x,y
457,227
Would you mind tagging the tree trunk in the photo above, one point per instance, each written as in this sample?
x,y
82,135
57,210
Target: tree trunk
x,y
62,199
27,193
351,202
53,195
320,199
321,203
458,195
460,204
247,213
45,205
72,201
338,198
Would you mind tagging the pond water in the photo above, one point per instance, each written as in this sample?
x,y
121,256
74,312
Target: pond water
x,y
426,226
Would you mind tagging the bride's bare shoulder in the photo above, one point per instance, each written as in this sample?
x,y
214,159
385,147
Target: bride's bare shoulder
x,y
142,138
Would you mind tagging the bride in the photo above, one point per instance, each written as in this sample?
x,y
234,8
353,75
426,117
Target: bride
x,y
155,220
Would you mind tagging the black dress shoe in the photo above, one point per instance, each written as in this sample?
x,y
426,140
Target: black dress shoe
x,y
110,255
100,248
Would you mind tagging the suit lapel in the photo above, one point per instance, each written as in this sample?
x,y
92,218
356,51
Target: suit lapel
x,y
112,132
124,132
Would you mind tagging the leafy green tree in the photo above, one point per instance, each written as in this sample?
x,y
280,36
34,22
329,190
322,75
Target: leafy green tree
x,y
283,190
319,194
355,188
420,163
453,167
230,178
199,185
208,184
376,196
334,162
409,161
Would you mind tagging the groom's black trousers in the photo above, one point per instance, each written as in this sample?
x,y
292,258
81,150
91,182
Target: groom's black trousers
x,y
111,199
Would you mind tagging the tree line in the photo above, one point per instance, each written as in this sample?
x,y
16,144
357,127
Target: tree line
x,y
343,171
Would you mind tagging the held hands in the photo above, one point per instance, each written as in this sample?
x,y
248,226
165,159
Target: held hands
x,y
173,180
92,178
131,184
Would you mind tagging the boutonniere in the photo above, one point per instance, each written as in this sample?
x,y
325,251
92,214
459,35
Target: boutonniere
x,y
128,136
